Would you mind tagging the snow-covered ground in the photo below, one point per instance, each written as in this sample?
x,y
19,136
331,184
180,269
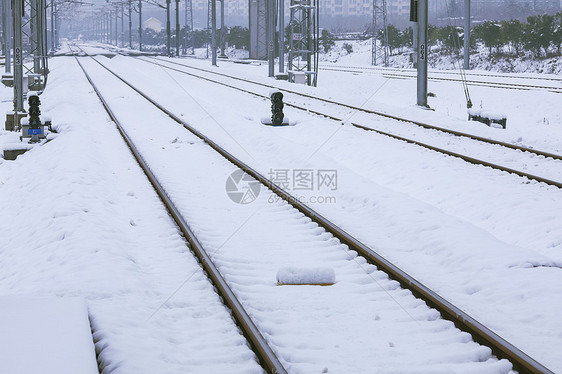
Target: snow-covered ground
x,y
83,221
80,219
46,335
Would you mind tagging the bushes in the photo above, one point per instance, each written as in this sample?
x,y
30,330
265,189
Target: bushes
x,y
239,37
327,40
541,35
538,34
490,33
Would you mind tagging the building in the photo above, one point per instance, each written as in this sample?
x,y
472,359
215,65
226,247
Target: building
x,y
153,24
363,8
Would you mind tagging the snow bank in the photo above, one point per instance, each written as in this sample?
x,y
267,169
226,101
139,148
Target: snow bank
x,y
48,335
317,276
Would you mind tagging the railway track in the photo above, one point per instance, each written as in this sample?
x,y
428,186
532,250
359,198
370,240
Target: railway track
x,y
259,344
549,84
551,163
469,73
555,85
499,346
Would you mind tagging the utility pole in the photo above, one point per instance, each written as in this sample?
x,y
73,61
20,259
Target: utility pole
x,y
130,24
214,32
34,41
466,34
302,62
223,32
140,25
258,29
110,36
107,23
116,29
422,53
380,28
177,27
281,36
44,44
56,28
168,27
189,24
18,65
122,25
271,36
7,33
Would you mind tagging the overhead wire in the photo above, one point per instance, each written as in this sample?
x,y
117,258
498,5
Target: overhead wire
x,y
462,71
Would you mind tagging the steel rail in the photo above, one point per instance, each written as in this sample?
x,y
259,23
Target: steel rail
x,y
444,72
509,86
368,111
466,158
480,333
498,85
435,76
250,331
344,68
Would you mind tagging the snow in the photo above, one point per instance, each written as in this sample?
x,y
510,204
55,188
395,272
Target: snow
x,y
80,219
16,146
414,206
296,275
305,328
487,241
274,91
49,335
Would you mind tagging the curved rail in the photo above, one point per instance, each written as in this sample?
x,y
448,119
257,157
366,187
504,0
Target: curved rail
x,y
480,333
466,158
250,331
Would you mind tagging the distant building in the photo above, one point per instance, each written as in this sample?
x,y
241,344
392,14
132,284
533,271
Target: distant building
x,y
394,8
153,24
440,11
497,9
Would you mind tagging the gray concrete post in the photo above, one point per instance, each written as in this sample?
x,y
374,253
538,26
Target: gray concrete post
x,y
422,53
271,36
168,27
18,59
177,27
214,32
281,36
140,25
7,33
